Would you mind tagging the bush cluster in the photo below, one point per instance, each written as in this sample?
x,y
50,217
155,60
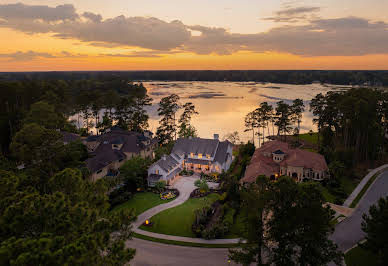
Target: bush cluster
x,y
118,196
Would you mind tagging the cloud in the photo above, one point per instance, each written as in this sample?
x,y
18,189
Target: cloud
x,y
31,55
146,32
25,56
294,14
349,36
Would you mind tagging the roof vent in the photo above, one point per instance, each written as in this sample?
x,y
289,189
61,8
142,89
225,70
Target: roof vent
x,y
216,136
164,157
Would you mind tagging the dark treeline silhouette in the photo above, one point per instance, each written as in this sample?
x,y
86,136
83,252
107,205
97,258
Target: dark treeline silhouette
x,y
349,77
66,96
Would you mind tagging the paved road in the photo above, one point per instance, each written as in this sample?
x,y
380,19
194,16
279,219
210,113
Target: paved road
x,y
151,253
349,233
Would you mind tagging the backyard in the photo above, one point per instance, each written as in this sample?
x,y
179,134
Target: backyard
x,y
141,202
178,220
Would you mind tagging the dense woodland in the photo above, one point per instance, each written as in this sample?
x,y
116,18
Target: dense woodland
x,y
373,78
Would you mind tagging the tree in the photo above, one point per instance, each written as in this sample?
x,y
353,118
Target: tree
x,y
265,114
283,120
233,137
134,171
138,119
297,110
250,125
37,146
68,225
105,124
185,128
254,201
44,114
287,223
168,106
160,185
374,225
202,185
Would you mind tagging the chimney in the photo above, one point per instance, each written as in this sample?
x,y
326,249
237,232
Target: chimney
x,y
164,157
216,136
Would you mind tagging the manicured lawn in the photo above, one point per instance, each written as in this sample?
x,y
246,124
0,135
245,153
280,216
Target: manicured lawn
x,y
178,220
237,227
141,202
313,138
360,257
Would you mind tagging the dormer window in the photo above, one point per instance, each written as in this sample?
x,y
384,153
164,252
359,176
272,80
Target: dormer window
x,y
157,172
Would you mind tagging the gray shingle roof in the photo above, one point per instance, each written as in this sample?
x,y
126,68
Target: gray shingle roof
x,y
222,152
167,163
104,157
196,146
69,137
198,161
173,173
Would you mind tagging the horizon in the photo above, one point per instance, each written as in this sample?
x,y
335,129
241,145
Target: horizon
x,y
70,35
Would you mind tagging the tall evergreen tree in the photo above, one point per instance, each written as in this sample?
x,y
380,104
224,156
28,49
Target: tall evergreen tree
x,y
185,128
167,129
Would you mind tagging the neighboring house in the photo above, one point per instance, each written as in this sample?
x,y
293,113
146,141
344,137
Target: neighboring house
x,y
197,154
69,137
275,159
110,150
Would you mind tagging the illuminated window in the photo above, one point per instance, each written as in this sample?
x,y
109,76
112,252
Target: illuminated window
x,y
191,155
157,172
208,156
200,155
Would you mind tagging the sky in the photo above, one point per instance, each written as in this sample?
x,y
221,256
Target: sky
x,y
46,35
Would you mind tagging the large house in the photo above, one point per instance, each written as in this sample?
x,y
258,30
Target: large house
x,y
276,158
197,154
111,149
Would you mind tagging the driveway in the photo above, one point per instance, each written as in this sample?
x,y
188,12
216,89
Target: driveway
x,y
185,185
348,233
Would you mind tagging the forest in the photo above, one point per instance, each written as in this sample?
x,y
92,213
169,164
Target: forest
x,y
348,77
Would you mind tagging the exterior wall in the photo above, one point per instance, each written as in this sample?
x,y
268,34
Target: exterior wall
x,y
97,175
297,170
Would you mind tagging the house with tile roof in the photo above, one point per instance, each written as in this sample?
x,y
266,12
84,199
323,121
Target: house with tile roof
x,y
276,158
110,150
197,154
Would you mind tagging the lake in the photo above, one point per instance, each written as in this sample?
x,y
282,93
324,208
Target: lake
x,y
222,106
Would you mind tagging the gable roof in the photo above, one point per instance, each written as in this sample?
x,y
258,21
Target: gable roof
x,y
167,162
69,137
106,156
222,151
196,146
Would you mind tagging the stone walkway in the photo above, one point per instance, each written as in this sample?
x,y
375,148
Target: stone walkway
x,y
185,185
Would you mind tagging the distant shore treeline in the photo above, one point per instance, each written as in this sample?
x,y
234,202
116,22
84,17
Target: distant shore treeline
x,y
356,77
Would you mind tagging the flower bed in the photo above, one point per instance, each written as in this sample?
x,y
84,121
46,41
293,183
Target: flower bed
x,y
169,194
185,172
212,177
198,194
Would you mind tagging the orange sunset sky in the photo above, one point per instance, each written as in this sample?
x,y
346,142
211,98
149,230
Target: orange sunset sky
x,y
171,34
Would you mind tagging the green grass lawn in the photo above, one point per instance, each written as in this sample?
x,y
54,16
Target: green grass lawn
x,y
237,227
347,184
313,138
178,220
363,190
360,257
141,202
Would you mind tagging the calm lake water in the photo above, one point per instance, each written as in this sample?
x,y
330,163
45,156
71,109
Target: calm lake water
x,y
222,106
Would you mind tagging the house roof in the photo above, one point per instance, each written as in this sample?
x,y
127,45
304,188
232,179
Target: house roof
x,y
222,152
69,137
104,157
198,161
173,173
264,165
167,162
196,146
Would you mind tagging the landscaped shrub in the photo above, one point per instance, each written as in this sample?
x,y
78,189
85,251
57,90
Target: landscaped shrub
x,y
216,231
228,217
185,172
118,197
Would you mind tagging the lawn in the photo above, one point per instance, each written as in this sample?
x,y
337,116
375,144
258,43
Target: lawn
x,y
178,220
313,138
141,202
347,184
360,257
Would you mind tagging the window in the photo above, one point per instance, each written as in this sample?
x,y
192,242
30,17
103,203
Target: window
x,y
200,155
191,155
115,146
208,156
156,171
120,160
99,171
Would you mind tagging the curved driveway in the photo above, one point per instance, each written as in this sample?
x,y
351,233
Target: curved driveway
x,y
348,233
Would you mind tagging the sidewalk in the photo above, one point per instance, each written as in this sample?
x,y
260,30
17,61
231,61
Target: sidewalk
x,y
361,185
